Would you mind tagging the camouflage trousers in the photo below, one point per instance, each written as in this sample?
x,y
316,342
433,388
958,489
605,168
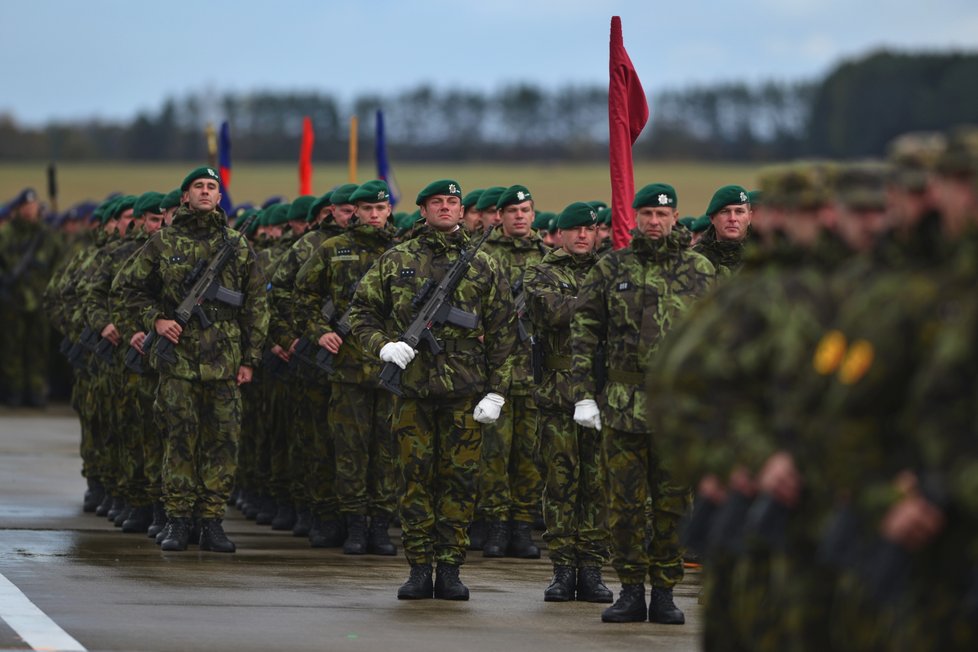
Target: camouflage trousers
x,y
24,347
633,474
309,402
438,445
321,481
203,423
132,435
279,433
152,437
360,424
574,506
106,390
510,483
90,448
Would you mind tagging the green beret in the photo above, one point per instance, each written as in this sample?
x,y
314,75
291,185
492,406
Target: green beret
x,y
513,195
552,223
727,196
440,187
541,220
171,200
472,198
862,186
200,173
299,209
597,205
577,214
123,204
318,206
686,222
701,223
106,211
342,194
489,198
277,214
656,194
241,219
372,192
604,216
148,202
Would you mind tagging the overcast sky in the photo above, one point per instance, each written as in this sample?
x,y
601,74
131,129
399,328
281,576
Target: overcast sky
x,y
68,59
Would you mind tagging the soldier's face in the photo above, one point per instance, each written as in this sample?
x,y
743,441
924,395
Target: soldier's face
x,y
152,222
203,195
109,226
29,211
656,221
731,222
442,212
374,214
168,215
343,213
957,201
861,228
604,232
490,217
323,214
472,220
517,218
298,226
577,240
125,219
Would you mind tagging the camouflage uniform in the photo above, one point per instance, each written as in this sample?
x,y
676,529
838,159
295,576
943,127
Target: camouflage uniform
x,y
359,413
436,436
631,298
574,507
727,256
198,399
509,483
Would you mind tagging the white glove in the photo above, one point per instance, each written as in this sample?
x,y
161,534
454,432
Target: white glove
x,y
586,414
400,353
487,411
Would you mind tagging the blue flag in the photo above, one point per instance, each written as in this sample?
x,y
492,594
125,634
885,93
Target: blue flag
x,y
384,171
224,165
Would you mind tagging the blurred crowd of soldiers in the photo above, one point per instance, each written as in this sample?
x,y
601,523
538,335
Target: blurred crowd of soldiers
x,y
800,359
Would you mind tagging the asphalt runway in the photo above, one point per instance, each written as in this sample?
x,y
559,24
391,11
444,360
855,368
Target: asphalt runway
x,y
73,581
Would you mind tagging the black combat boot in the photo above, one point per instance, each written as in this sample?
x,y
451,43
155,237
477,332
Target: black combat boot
x,y
139,520
267,508
497,539
104,506
284,518
356,535
477,534
118,504
418,585
630,607
94,495
123,516
378,538
447,584
159,520
163,533
521,541
212,536
303,523
561,587
177,535
590,586
329,533
663,610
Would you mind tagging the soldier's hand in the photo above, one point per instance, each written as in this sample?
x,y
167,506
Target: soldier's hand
x,y
400,353
111,333
293,345
244,375
280,352
487,411
913,522
781,479
586,414
332,342
136,342
169,329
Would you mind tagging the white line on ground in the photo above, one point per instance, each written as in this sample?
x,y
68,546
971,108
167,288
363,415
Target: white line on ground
x,y
32,624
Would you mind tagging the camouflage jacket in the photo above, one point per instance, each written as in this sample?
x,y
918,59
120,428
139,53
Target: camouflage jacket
x,y
284,327
154,284
97,295
727,256
66,277
515,255
474,361
552,294
630,299
332,272
27,292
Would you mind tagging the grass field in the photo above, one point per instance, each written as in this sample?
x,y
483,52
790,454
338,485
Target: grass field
x,y
553,185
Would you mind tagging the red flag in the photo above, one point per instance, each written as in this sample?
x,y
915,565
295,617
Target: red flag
x,y
628,111
305,157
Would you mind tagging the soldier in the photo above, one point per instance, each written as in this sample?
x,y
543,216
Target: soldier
x,y
359,412
28,254
437,422
574,508
723,241
631,298
198,400
603,242
472,217
487,206
509,483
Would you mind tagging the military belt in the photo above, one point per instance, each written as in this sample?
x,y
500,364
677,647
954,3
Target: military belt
x,y
218,312
627,377
454,346
557,362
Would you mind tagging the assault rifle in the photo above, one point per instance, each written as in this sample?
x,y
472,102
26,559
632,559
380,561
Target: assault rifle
x,y
341,326
536,351
434,311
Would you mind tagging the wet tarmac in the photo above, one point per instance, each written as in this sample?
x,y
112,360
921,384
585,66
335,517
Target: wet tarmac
x,y
115,591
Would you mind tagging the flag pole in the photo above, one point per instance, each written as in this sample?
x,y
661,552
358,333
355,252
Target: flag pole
x,y
353,149
211,136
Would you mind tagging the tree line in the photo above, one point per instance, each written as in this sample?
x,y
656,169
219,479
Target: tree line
x,y
854,111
